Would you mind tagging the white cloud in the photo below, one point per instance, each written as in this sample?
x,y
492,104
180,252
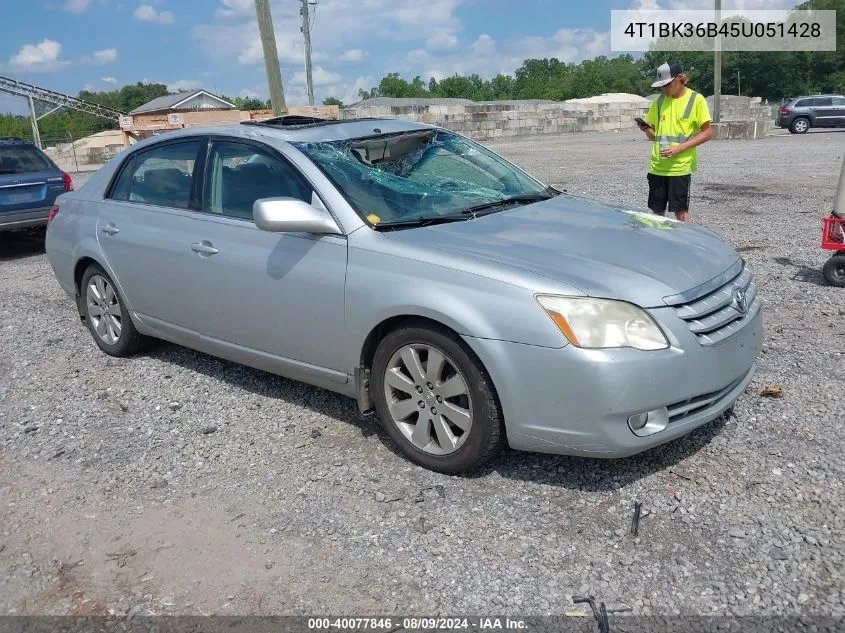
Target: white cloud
x,y
319,75
426,34
234,8
77,6
184,85
43,57
109,80
88,87
107,56
148,13
443,40
349,92
353,55
484,45
727,5
417,56
438,74
339,25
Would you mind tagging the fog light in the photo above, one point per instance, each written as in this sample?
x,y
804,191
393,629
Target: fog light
x,y
638,421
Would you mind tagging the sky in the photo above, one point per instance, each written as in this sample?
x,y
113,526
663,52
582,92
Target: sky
x,y
70,45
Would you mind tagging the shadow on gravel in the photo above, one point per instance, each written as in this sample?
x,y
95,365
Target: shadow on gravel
x,y
600,475
803,273
575,473
261,383
20,244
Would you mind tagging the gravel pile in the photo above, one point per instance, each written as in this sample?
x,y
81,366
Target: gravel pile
x,y
173,482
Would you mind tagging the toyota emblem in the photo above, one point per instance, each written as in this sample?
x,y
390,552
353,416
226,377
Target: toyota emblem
x,y
740,301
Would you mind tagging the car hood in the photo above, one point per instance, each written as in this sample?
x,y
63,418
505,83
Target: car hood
x,y
602,250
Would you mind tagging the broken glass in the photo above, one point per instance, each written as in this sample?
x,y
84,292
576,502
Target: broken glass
x,y
417,174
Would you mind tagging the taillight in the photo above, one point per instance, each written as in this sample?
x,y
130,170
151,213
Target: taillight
x,y
53,213
783,110
68,183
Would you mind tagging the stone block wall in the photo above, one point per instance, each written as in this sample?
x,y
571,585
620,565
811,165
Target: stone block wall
x,y
743,117
490,120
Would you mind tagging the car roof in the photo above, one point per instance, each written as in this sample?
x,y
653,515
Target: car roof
x,y
832,94
297,129
15,140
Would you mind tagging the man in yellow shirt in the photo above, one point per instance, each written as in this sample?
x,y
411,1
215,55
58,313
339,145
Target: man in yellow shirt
x,y
680,121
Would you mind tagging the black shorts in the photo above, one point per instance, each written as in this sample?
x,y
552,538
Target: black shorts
x,y
671,190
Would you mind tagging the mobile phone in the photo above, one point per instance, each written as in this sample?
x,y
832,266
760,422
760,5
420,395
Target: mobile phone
x,y
642,122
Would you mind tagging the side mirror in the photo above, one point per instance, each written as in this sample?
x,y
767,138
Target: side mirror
x,y
290,215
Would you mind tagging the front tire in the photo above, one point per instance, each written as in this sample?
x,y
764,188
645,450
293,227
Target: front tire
x,y
435,400
106,315
834,270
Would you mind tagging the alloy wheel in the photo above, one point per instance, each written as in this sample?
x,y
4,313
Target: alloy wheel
x,y
428,399
104,309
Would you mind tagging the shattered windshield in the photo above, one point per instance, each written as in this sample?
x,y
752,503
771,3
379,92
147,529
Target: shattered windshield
x,y
419,175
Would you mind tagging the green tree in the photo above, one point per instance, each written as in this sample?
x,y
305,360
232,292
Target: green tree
x,y
333,101
249,103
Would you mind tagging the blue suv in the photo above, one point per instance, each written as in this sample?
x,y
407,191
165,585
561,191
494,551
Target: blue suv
x,y
29,185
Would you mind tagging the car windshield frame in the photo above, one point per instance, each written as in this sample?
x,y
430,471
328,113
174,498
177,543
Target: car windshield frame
x,y
420,176
31,155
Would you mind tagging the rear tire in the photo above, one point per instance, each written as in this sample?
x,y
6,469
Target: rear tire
x,y
800,125
106,315
452,426
834,270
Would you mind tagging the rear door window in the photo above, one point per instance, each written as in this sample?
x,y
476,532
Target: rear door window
x,y
161,176
839,101
22,159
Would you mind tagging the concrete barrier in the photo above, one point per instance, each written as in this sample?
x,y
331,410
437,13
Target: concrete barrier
x,y
743,117
496,119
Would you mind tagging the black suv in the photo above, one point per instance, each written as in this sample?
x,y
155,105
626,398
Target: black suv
x,y
802,113
29,184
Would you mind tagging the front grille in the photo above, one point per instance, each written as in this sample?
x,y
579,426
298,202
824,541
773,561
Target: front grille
x,y
715,317
686,408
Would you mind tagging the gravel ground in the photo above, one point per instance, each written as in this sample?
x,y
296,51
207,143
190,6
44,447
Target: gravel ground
x,y
173,482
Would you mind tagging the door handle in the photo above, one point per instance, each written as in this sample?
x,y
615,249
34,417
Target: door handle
x,y
110,229
204,248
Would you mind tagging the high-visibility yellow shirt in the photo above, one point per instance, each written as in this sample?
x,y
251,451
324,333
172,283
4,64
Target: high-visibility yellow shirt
x,y
680,119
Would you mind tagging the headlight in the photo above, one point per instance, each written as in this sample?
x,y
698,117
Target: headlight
x,y
597,323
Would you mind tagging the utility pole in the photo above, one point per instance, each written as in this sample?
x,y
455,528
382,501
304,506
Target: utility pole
x,y
271,56
306,32
717,67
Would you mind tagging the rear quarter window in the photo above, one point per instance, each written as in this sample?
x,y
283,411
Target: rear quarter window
x,y
21,159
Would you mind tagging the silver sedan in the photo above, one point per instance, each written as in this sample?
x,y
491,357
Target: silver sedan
x,y
465,303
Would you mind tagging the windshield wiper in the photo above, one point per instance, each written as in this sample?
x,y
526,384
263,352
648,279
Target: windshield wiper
x,y
422,221
523,199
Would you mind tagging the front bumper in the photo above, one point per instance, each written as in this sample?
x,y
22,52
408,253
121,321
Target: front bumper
x,y
572,401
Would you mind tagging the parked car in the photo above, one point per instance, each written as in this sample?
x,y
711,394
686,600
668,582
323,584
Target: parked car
x,y
800,114
467,304
29,184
